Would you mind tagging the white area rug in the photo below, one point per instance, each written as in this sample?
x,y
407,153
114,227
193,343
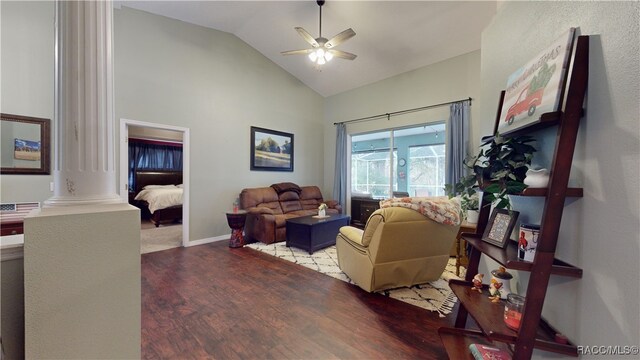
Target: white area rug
x,y
433,296
160,238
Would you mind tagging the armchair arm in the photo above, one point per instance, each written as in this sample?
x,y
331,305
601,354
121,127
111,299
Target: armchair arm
x,y
260,210
352,234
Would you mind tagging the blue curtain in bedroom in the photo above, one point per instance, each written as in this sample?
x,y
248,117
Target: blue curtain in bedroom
x,y
458,141
150,155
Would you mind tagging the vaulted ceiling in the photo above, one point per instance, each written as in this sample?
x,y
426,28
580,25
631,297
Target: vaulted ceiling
x,y
392,37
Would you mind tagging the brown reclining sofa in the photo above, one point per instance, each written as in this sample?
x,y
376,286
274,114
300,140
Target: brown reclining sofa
x,y
268,208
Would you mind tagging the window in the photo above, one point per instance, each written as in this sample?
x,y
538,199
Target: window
x,y
370,172
416,164
426,170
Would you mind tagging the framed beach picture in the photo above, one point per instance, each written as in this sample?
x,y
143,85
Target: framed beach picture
x,y
271,150
499,227
537,87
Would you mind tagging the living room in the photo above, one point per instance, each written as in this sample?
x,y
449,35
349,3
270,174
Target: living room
x,y
171,72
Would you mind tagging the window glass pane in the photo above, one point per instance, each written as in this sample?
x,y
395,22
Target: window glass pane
x,y
418,162
426,170
370,164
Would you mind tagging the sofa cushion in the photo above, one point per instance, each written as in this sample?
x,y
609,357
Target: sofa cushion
x,y
281,220
253,197
273,205
300,213
288,195
310,204
289,206
311,192
286,186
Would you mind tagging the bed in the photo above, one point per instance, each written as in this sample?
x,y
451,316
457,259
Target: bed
x,y
155,181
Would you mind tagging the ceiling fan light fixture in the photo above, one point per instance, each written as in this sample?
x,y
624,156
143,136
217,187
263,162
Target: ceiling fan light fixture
x,y
328,56
323,50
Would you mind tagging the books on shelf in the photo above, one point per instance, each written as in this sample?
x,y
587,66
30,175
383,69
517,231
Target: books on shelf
x,y
484,352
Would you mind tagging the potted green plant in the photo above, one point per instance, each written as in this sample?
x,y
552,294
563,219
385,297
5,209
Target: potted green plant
x,y
466,189
499,170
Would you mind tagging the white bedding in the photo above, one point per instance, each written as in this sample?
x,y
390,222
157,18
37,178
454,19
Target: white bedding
x,y
161,198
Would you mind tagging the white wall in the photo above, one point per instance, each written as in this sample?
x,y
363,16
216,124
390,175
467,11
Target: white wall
x,y
599,231
174,73
26,71
453,79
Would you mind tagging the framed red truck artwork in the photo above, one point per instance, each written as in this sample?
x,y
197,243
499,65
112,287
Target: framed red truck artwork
x,y
536,88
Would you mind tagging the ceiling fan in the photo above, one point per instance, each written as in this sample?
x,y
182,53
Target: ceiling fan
x,y
323,49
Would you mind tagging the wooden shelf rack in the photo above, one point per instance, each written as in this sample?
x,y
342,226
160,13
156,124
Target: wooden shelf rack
x,y
534,332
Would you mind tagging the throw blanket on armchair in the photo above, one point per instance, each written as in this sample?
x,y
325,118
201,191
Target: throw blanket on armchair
x,y
440,209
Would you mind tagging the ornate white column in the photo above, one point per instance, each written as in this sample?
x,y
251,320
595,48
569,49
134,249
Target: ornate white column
x,y
84,158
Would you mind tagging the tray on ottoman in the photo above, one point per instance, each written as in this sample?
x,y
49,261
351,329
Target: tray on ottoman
x,y
313,233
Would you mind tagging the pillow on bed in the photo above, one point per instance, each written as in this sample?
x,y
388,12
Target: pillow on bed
x,y
181,186
147,187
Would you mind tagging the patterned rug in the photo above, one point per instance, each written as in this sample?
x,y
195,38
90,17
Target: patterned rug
x,y
433,296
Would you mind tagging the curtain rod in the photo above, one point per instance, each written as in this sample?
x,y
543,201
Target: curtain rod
x,y
401,112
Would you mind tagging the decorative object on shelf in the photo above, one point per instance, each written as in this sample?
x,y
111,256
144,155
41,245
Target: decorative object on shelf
x,y
501,282
484,352
499,169
477,282
502,166
537,87
528,241
472,216
271,150
494,292
513,309
499,227
322,210
537,178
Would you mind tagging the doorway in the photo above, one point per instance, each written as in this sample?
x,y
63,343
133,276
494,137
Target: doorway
x,y
157,131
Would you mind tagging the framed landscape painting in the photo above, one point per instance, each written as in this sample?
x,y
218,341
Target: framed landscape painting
x,y
26,150
537,87
271,150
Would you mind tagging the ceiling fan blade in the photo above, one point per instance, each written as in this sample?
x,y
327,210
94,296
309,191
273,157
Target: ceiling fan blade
x,y
307,37
296,52
343,54
340,38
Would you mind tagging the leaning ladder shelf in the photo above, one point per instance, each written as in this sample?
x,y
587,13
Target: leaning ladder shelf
x,y
534,332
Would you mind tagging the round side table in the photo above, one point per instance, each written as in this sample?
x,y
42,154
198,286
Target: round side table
x,y
236,223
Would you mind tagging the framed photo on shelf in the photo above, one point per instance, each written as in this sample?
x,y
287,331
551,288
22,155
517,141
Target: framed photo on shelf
x,y
537,87
499,227
271,150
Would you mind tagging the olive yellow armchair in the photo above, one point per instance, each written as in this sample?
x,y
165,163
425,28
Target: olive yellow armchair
x,y
398,247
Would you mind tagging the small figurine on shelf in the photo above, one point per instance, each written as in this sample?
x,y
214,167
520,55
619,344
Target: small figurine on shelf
x,y
494,290
477,283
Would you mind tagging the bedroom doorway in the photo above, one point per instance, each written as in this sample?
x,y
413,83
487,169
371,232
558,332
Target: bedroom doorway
x,y
168,168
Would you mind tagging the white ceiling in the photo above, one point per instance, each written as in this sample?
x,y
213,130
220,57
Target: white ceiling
x,y
392,37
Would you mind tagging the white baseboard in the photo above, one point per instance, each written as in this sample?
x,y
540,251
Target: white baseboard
x,y
209,240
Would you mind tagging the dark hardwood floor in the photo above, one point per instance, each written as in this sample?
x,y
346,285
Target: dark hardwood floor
x,y
210,301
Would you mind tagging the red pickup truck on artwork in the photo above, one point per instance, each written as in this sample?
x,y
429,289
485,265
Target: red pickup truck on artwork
x,y
525,102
